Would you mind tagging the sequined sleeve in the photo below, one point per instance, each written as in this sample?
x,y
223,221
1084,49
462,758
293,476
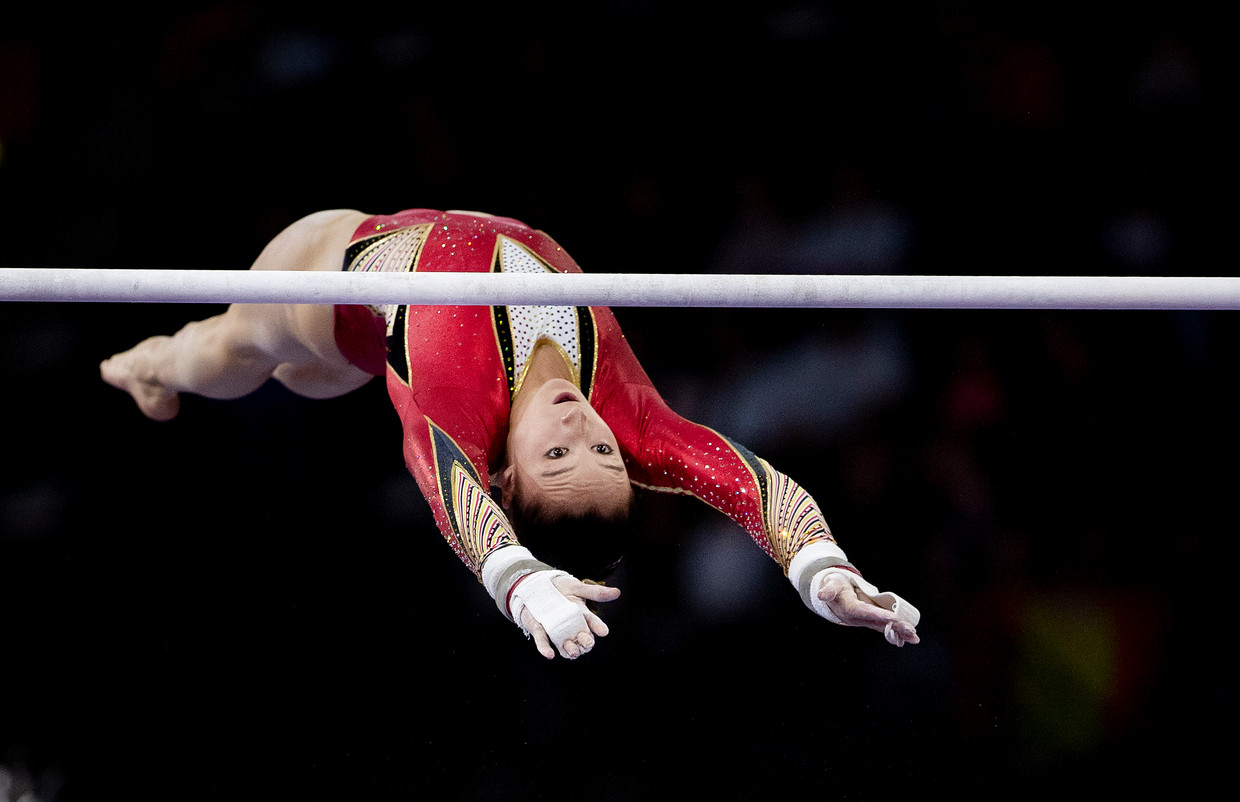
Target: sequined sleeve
x,y
665,452
450,473
674,455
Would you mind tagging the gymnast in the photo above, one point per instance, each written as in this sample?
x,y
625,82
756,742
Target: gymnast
x,y
546,404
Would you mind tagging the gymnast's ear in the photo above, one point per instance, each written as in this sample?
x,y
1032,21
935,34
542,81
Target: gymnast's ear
x,y
507,480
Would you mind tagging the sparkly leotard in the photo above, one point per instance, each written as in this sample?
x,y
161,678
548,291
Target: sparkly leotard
x,y
452,372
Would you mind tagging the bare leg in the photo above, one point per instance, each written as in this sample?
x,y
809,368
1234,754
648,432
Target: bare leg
x,y
232,354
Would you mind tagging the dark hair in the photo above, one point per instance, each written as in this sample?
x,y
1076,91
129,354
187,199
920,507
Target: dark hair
x,y
588,545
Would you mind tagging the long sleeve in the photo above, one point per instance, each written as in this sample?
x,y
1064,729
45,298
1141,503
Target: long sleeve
x,y
449,461
665,452
671,454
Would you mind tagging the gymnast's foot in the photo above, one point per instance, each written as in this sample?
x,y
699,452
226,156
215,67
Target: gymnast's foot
x,y
129,371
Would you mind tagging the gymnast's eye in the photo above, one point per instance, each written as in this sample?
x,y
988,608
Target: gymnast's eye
x,y
603,448
556,453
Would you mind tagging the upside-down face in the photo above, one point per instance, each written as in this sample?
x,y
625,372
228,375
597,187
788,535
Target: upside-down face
x,y
561,451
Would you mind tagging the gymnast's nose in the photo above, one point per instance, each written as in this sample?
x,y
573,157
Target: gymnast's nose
x,y
574,419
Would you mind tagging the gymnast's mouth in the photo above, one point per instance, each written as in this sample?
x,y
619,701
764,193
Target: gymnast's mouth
x,y
563,397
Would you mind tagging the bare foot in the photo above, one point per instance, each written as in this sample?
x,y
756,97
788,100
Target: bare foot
x,y
126,371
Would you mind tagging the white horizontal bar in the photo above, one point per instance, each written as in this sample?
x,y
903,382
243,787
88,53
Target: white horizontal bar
x,y
602,289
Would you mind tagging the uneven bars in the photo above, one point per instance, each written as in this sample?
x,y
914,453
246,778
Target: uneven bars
x,y
603,289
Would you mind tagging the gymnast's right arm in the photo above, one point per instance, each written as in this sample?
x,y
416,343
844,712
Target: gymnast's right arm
x,y
547,604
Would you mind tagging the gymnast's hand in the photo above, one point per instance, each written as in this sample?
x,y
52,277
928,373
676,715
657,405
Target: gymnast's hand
x,y
845,598
551,607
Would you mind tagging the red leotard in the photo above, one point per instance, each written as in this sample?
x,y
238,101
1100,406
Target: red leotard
x,y
452,370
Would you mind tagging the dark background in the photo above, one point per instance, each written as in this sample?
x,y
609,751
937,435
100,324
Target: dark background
x,y
252,601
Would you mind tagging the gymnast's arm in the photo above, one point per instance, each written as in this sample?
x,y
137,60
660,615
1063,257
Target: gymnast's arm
x,y
547,604
666,452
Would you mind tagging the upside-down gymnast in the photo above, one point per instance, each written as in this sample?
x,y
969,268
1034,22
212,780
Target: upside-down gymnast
x,y
546,403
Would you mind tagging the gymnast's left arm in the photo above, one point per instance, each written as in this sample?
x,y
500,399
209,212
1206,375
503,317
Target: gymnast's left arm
x,y
789,526
834,589
670,453
666,452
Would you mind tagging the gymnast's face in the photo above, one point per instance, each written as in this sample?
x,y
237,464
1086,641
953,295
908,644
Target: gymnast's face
x,y
560,450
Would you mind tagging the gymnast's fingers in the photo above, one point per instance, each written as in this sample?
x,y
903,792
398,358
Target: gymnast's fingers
x,y
571,649
596,624
899,633
573,587
853,610
541,641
